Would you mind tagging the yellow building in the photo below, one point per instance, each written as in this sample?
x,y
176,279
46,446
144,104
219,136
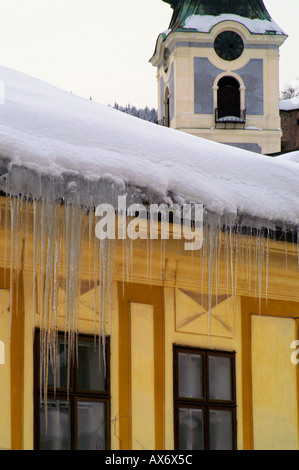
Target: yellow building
x,y
218,73
139,342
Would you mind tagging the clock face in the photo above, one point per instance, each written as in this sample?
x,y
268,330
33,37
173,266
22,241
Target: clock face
x,y
228,45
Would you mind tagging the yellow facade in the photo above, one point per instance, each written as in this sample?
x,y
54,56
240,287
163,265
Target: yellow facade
x,y
254,314
262,129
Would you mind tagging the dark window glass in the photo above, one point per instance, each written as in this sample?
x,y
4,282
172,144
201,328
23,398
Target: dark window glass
x,y
55,431
204,399
221,429
190,375
57,376
191,429
91,425
76,412
220,378
90,358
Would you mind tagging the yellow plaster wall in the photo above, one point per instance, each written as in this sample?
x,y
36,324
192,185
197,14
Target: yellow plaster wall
x,y
274,380
29,325
186,323
264,359
143,377
5,426
114,372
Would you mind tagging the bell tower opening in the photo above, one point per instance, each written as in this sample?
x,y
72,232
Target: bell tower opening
x,y
166,108
228,98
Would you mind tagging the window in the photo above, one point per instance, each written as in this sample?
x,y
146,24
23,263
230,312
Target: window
x,y
204,399
167,109
74,416
228,98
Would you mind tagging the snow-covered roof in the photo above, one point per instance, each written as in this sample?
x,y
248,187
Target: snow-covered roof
x,y
204,24
290,104
81,146
202,15
291,156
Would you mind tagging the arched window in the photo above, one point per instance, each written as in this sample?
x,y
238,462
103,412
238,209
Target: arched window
x,y
166,108
228,98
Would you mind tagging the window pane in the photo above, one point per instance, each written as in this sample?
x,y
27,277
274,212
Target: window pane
x,y
191,429
91,426
220,378
60,365
55,433
91,369
221,430
190,375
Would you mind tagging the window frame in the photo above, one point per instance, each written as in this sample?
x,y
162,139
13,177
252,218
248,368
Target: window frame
x,y
206,404
74,394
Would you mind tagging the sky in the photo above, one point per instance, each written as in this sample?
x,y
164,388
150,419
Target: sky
x,y
101,48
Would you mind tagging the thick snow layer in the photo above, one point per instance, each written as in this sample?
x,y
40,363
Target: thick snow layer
x,y
205,23
55,134
291,157
290,104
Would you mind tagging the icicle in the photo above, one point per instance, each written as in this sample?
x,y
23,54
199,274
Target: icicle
x,y
219,254
286,249
267,263
212,236
260,256
12,253
164,223
237,255
249,259
203,261
95,280
231,259
56,233
131,260
148,260
90,239
6,231
110,262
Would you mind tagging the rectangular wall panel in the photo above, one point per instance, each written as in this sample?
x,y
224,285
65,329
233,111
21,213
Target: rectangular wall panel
x,y
5,440
274,384
142,377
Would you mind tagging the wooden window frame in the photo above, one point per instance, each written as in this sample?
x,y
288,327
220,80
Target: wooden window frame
x,y
206,404
73,395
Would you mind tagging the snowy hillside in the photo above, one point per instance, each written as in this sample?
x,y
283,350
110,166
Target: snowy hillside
x,y
82,147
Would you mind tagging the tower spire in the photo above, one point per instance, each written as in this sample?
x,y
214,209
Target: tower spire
x,y
183,9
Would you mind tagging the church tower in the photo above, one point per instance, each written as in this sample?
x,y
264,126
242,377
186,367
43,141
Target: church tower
x,y
218,72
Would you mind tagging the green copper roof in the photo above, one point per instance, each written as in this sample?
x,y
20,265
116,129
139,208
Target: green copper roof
x,y
253,9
